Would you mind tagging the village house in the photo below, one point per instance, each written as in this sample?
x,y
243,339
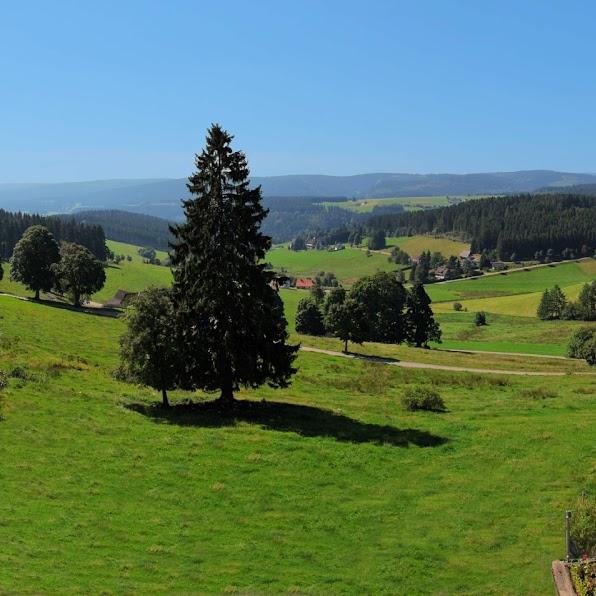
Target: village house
x,y
305,283
441,273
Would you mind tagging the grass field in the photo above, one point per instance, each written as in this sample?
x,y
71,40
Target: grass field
x,y
327,487
348,264
519,281
414,245
409,203
131,276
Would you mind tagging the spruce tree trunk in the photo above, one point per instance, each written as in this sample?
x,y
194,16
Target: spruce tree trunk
x,y
345,346
164,399
227,393
36,294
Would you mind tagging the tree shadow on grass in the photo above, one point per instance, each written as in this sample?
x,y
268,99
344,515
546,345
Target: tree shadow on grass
x,y
306,421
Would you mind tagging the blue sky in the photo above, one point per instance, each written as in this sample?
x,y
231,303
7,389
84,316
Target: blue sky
x,y
126,89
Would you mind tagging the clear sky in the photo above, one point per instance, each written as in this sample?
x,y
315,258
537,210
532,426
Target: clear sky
x,y
126,89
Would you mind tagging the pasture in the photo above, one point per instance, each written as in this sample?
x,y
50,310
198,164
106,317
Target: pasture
x,y
415,245
348,264
518,281
408,203
328,486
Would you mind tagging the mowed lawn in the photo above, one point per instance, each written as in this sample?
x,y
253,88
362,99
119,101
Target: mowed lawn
x,y
348,264
325,487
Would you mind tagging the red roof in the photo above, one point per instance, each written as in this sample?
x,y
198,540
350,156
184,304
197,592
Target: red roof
x,y
305,284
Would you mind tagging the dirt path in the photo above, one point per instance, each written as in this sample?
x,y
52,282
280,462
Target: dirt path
x,y
423,365
492,353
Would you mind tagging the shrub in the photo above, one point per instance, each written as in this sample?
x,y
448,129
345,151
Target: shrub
x,y
583,524
3,380
457,306
480,319
422,398
18,372
583,575
582,345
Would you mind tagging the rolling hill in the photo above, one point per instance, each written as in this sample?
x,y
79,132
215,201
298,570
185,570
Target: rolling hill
x,y
161,197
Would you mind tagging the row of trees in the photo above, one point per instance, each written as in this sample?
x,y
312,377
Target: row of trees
x,y
377,308
516,226
13,226
554,304
42,264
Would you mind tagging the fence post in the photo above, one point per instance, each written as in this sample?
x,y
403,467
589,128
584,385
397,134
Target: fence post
x,y
568,534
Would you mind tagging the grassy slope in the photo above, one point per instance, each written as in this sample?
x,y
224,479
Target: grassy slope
x,y
515,282
121,248
131,276
414,245
409,203
348,264
326,498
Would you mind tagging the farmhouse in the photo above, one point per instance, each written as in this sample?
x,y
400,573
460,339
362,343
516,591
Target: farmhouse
x,y
304,283
441,272
280,281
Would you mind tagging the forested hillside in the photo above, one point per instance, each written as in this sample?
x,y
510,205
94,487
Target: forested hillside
x,y
12,226
289,217
516,226
132,228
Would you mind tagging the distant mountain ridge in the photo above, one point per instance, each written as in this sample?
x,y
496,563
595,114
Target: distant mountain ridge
x,y
161,197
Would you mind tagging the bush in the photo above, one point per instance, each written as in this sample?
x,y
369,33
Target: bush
x,y
3,380
583,575
583,525
582,345
480,319
457,306
18,372
422,398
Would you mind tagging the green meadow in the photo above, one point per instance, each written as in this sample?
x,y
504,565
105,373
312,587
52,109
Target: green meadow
x,y
348,264
328,486
408,203
415,245
518,281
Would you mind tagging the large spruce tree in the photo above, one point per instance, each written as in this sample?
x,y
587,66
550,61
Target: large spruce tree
x,y
232,330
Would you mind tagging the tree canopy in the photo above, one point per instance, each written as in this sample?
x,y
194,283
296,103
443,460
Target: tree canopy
x,y
32,260
78,274
148,349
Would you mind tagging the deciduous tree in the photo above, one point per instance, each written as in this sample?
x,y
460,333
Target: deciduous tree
x,y
309,319
347,321
78,274
32,260
148,349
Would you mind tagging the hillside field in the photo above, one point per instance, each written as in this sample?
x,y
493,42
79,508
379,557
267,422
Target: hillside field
x,y
518,281
414,245
348,264
275,497
408,203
